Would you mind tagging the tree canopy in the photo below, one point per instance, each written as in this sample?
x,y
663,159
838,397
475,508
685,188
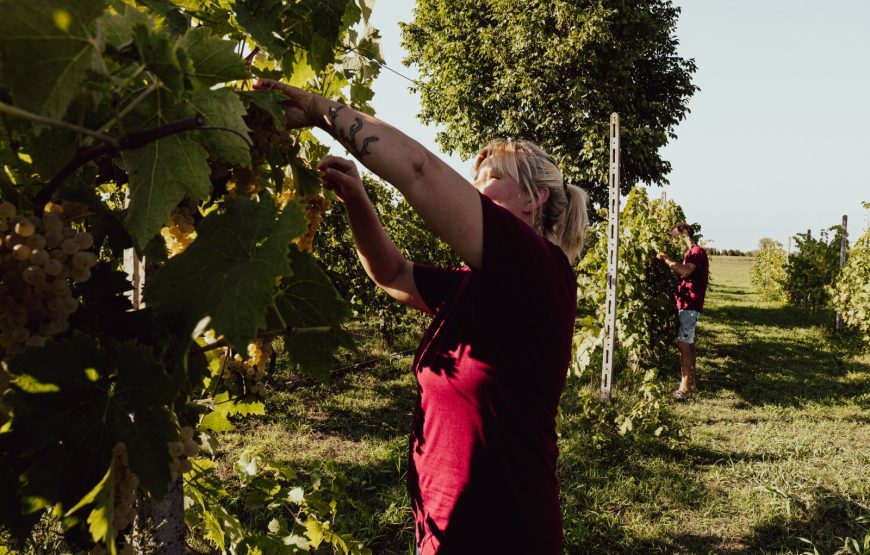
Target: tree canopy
x,y
553,72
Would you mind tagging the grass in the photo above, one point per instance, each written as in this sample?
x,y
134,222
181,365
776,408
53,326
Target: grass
x,y
775,446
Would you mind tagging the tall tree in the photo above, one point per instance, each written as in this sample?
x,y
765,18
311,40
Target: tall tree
x,y
552,72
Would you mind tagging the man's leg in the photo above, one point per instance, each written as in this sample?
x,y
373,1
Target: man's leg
x,y
692,358
687,366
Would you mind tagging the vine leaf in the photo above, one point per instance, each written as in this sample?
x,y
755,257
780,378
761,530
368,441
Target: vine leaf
x,y
214,59
261,19
308,300
161,174
43,62
117,392
119,26
101,516
228,274
161,56
223,108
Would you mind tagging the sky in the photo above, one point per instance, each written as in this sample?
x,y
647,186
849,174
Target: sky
x,y
778,138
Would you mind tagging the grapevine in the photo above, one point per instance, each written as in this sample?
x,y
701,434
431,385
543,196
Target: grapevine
x,y
151,142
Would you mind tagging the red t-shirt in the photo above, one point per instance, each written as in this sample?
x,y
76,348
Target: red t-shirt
x,y
691,289
490,371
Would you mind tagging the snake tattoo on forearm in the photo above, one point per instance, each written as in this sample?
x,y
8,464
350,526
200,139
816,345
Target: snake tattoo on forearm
x,y
349,139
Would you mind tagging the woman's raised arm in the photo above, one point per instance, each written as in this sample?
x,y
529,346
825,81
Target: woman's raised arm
x,y
447,203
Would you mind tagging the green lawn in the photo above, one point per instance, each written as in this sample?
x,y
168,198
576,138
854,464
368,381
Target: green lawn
x,y
776,446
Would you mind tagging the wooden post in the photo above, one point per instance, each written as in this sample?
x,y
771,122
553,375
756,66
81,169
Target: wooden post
x,y
844,244
162,522
612,261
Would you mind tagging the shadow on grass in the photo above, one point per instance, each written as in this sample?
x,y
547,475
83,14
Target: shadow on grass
x,y
785,370
824,521
604,490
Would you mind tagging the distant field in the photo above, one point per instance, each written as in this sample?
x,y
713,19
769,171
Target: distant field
x,y
730,270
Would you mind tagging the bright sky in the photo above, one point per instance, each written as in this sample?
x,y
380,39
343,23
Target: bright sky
x,y
778,140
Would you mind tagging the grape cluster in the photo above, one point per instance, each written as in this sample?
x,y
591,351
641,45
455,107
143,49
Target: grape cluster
x,y
179,231
37,258
245,375
243,181
181,450
266,137
287,194
314,206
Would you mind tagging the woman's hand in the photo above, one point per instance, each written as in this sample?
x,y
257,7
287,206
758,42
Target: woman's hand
x,y
301,109
341,177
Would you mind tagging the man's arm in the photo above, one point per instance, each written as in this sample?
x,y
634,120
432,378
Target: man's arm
x,y
679,268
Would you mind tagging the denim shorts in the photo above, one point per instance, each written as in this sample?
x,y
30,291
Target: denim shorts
x,y
688,321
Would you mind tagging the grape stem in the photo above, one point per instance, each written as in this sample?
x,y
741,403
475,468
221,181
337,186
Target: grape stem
x,y
233,131
127,142
35,118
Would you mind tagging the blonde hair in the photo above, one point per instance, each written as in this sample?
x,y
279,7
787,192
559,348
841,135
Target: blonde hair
x,y
562,218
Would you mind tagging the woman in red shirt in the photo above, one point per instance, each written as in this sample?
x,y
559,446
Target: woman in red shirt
x,y
492,366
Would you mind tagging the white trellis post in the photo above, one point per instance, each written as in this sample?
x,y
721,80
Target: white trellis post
x,y
612,261
844,243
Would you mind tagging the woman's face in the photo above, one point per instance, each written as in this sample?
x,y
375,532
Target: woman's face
x,y
503,190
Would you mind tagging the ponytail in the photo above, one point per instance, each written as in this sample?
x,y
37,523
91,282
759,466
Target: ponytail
x,y
563,218
571,230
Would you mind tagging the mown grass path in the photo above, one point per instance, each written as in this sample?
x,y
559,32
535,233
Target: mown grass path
x,y
779,435
776,445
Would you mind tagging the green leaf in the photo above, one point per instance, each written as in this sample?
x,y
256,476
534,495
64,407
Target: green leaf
x,y
228,274
171,16
160,55
216,421
101,516
161,174
304,179
261,19
314,531
214,59
309,301
127,403
366,8
119,26
297,70
223,108
44,64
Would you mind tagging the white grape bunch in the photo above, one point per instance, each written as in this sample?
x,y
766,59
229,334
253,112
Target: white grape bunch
x,y
245,375
39,256
186,446
314,206
179,231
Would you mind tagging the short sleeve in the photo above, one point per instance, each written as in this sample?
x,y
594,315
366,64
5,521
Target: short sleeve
x,y
436,284
696,256
513,252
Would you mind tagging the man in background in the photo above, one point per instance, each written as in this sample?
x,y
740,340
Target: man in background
x,y
694,272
